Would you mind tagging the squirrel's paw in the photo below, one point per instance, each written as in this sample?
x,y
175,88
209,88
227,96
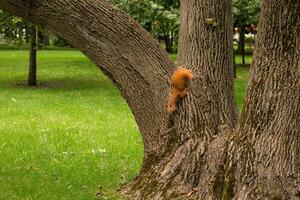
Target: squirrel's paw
x,y
171,109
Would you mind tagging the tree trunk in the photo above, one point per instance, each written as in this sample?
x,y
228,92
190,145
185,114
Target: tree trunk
x,y
267,143
21,35
27,34
43,39
234,64
197,152
168,43
8,34
32,58
241,48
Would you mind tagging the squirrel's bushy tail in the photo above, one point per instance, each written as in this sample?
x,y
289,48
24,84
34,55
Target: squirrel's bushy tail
x,y
181,76
179,80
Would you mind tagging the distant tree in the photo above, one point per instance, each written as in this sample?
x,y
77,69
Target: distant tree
x,y
17,30
246,13
32,81
12,27
160,18
168,3
169,23
60,42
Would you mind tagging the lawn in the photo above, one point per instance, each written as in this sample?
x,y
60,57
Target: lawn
x,y
73,136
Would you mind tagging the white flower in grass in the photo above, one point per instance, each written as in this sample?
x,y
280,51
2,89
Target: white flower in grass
x,y
100,152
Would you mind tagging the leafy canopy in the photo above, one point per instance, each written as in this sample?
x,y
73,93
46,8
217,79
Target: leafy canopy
x,y
246,12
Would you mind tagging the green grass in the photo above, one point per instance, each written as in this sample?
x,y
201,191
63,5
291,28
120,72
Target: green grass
x,y
67,138
71,137
241,80
240,85
238,59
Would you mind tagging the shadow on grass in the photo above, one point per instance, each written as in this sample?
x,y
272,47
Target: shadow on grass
x,y
66,84
243,65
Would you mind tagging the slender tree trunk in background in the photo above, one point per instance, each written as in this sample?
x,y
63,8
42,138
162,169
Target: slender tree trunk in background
x,y
168,43
234,64
241,48
32,58
43,39
27,34
21,35
199,151
8,34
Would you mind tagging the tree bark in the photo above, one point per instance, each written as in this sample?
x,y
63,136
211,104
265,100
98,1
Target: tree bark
x,y
268,137
32,58
197,152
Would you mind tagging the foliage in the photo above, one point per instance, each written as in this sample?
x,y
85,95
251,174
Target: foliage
x,y
16,32
246,12
151,14
246,16
161,18
12,27
60,42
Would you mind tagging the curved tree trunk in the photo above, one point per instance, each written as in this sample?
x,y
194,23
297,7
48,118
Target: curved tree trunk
x,y
196,152
115,43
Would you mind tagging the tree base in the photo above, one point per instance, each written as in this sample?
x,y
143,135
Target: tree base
x,y
193,170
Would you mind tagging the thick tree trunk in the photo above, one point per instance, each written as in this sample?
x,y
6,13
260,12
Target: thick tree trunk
x,y
268,137
196,152
192,168
32,58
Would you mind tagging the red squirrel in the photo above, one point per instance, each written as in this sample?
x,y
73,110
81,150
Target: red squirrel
x,y
179,80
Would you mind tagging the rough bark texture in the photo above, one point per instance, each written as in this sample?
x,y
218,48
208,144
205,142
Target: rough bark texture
x,y
206,116
206,48
268,139
196,152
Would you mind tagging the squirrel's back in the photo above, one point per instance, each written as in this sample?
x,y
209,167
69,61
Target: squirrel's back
x,y
180,78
